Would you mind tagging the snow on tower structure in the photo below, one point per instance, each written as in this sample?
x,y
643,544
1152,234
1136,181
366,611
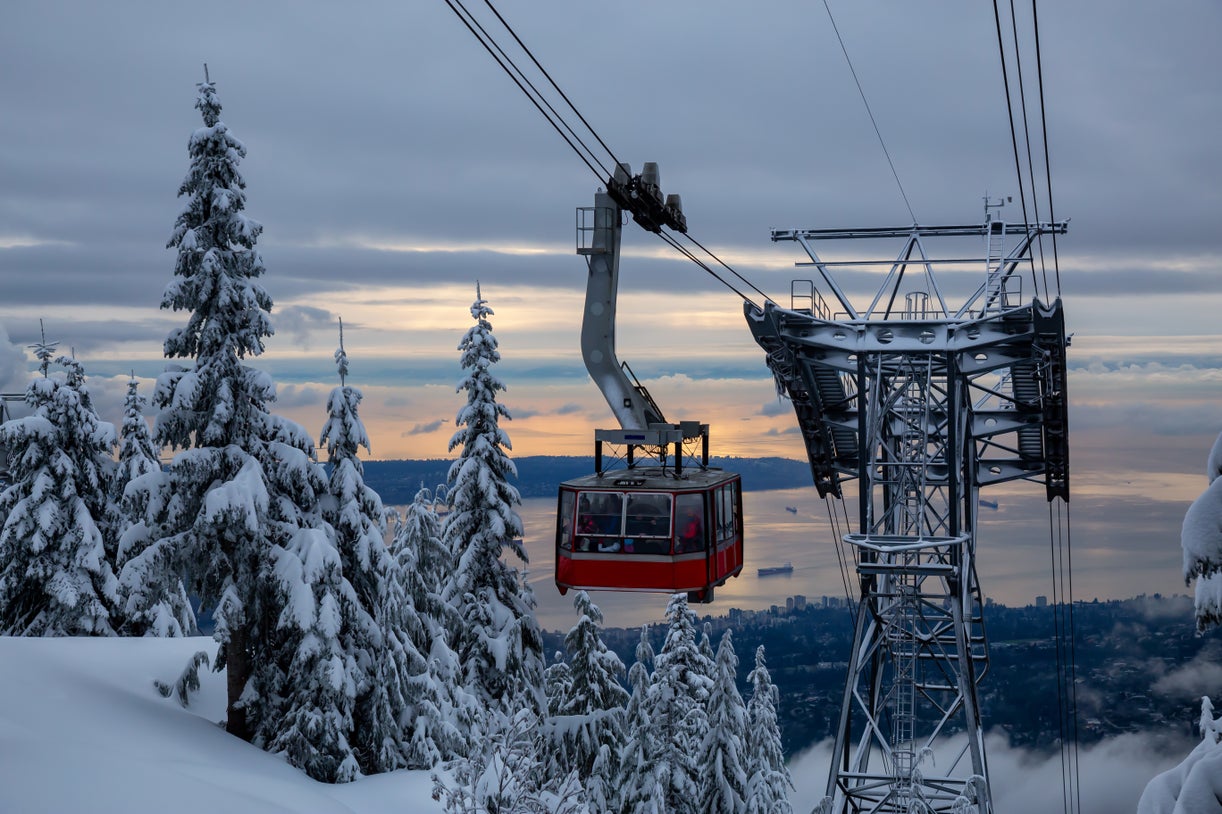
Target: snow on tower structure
x,y
920,403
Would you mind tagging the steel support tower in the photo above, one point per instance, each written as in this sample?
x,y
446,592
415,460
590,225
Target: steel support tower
x,y
920,404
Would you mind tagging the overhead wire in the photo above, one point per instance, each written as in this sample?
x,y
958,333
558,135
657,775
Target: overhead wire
x,y
723,264
1059,525
1018,169
1022,97
543,70
670,240
537,99
834,522
870,112
846,555
569,133
1059,648
1073,656
1039,66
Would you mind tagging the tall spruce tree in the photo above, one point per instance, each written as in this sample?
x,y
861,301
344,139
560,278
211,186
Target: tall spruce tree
x,y
723,754
440,712
55,576
317,730
497,640
768,780
377,626
679,696
138,456
340,710
590,715
92,450
240,500
557,685
706,645
643,778
155,601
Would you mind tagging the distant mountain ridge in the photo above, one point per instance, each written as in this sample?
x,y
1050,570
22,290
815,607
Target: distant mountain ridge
x,y
540,475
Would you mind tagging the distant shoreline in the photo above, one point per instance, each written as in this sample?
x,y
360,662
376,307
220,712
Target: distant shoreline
x,y
398,481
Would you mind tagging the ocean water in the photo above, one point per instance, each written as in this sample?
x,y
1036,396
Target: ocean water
x,y
1117,551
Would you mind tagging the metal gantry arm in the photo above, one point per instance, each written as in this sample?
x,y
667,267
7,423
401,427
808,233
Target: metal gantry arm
x,y
631,407
599,231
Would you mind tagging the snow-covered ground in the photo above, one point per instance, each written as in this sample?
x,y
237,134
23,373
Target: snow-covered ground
x,y
82,729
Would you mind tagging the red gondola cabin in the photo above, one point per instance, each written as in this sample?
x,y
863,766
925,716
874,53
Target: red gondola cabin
x,y
644,529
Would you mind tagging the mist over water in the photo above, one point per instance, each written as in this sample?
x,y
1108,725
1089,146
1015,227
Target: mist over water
x,y
1111,774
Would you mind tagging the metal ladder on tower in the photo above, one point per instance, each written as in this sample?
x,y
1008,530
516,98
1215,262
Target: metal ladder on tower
x,y
995,239
903,644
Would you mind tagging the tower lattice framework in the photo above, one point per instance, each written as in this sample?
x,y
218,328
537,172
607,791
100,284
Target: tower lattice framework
x,y
920,405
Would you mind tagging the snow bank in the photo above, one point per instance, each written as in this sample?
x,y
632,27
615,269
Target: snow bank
x,y
82,728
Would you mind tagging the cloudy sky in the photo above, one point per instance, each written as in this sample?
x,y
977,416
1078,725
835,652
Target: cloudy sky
x,y
393,164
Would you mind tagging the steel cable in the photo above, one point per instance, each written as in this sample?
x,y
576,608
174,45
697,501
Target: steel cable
x,y
560,124
1022,98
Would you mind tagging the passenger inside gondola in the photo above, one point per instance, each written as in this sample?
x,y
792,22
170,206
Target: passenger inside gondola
x,y
648,524
595,519
689,524
608,512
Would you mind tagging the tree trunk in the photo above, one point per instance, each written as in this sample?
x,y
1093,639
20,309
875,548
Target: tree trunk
x,y
237,673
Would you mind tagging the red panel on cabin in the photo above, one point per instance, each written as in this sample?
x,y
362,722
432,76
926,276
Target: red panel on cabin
x,y
625,572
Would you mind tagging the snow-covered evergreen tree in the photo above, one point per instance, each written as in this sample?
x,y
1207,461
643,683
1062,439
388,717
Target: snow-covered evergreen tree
x,y
440,712
643,780
667,720
557,684
55,576
498,641
1201,540
1195,785
723,755
768,780
154,599
316,734
375,622
92,450
138,456
588,716
503,774
154,596
241,496
681,685
706,647
280,524
425,562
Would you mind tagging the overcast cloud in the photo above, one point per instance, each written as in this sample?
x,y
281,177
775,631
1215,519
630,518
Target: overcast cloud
x,y
389,124
392,165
